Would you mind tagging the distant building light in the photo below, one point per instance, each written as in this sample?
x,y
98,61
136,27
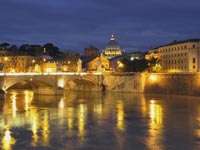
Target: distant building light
x,y
132,58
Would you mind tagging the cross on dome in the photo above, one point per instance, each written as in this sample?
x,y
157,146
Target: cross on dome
x,y
113,37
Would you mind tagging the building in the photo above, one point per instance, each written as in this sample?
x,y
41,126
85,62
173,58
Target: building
x,y
112,49
69,64
98,64
180,56
48,67
91,52
16,63
152,54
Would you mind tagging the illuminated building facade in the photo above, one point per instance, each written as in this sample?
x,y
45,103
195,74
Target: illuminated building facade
x,y
48,67
100,63
180,56
112,49
152,54
69,64
16,63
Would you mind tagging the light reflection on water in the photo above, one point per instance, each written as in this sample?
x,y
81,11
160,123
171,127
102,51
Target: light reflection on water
x,y
96,121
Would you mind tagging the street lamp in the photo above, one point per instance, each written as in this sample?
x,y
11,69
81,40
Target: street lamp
x,y
33,61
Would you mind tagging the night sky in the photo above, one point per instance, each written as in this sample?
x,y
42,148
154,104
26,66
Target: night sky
x,y
75,24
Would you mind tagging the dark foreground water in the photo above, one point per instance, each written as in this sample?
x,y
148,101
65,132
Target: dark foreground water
x,y
95,121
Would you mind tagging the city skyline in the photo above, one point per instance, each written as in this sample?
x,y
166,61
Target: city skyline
x,y
75,24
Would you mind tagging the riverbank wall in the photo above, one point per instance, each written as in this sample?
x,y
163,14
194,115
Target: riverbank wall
x,y
176,83
155,83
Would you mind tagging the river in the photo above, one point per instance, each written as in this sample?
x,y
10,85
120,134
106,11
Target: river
x,y
111,121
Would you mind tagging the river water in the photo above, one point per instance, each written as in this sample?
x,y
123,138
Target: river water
x,y
98,121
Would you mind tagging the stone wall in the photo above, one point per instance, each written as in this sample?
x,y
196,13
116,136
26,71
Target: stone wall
x,y
178,84
123,82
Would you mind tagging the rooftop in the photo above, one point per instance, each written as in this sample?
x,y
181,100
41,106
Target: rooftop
x,y
178,42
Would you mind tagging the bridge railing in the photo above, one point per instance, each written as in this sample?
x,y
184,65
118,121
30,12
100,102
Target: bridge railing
x,y
46,73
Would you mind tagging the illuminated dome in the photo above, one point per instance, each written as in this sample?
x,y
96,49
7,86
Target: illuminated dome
x,y
113,49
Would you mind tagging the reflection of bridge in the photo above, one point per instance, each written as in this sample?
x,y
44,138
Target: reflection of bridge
x,y
52,83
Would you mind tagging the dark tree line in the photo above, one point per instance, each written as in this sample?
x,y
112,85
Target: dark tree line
x,y
33,50
137,65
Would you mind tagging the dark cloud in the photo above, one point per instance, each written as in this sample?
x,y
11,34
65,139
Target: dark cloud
x,y
74,24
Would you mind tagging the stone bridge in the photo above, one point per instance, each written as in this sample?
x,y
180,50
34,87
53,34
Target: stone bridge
x,y
56,83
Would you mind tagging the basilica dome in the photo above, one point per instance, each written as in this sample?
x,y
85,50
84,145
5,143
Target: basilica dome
x,y
112,48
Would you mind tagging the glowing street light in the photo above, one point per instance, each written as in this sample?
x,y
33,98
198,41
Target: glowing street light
x,y
5,58
153,78
33,61
120,64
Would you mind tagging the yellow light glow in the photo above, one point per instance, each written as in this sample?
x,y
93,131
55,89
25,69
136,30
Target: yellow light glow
x,y
50,73
155,113
120,64
157,68
98,109
61,104
120,116
28,99
5,58
33,61
174,70
45,129
12,70
35,126
155,125
14,105
7,140
82,120
65,68
153,77
143,106
61,82
70,118
49,70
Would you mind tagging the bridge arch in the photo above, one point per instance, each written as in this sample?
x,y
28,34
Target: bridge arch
x,y
28,84
82,84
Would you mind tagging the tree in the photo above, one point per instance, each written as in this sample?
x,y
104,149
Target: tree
x,y
134,66
52,50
